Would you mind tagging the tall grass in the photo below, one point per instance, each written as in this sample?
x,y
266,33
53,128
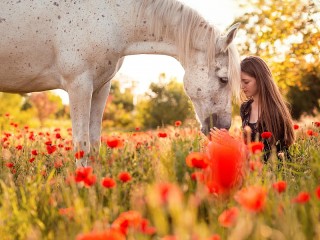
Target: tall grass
x,y
41,199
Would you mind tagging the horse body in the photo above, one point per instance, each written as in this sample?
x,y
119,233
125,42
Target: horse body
x,y
79,45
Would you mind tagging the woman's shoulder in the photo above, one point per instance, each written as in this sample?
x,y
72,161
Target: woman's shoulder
x,y
245,106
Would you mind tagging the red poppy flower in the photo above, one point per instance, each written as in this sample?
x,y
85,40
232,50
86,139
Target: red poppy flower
x,y
317,124
110,234
162,135
58,164
51,149
34,152
252,198
177,123
167,191
197,160
114,142
280,186
31,160
255,147
9,165
79,154
19,147
318,192
108,182
228,217
226,156
266,135
90,180
312,133
124,177
302,198
137,129
295,126
82,173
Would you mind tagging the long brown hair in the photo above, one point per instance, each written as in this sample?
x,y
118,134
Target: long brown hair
x,y
274,113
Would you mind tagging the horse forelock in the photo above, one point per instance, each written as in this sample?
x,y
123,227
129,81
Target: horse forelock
x,y
188,27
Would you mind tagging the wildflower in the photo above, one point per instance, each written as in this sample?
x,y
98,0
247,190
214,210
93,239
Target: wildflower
x,y
32,160
90,180
19,147
110,234
295,126
79,154
252,198
302,198
124,177
197,160
317,124
167,191
137,129
177,123
197,176
228,217
108,182
34,152
280,186
9,165
51,149
318,192
58,164
162,135
58,136
226,156
82,173
266,135
132,220
255,147
312,133
114,142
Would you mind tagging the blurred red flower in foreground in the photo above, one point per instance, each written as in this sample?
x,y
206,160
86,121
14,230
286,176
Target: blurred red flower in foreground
x,y
318,192
312,133
228,217
108,182
317,124
266,135
280,186
84,174
124,177
134,221
114,142
110,234
197,160
226,158
51,149
295,126
302,198
252,198
255,147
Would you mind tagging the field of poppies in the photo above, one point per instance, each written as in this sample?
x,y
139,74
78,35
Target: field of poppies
x,y
172,183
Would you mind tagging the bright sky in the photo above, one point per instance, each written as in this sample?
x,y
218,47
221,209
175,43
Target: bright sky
x,y
147,68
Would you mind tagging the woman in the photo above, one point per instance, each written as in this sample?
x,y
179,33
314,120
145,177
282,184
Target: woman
x,y
264,109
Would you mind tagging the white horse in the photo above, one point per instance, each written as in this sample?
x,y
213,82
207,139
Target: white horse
x,y
79,45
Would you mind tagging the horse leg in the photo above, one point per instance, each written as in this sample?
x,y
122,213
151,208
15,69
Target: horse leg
x,y
80,94
98,103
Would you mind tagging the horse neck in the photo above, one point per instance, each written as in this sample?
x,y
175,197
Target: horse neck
x,y
145,41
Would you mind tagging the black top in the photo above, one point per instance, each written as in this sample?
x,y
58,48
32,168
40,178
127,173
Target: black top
x,y
245,111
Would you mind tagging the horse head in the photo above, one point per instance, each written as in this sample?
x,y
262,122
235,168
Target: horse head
x,y
209,85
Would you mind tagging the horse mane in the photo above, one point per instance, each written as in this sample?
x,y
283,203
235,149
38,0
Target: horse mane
x,y
188,27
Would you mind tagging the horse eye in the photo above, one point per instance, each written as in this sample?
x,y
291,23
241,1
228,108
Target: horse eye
x,y
223,80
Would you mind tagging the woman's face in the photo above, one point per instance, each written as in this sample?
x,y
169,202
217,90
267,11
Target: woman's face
x,y
249,85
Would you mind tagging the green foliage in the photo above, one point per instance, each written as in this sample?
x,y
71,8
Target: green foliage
x,y
119,109
165,104
305,99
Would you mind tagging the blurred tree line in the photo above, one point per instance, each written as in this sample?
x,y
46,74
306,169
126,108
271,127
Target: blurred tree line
x,y
162,105
286,34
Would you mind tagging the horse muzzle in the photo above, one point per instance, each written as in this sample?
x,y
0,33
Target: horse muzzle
x,y
214,121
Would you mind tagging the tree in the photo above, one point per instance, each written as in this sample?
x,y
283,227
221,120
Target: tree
x,y
119,109
46,104
165,103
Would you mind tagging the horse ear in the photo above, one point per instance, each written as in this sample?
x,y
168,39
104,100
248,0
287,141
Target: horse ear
x,y
230,35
